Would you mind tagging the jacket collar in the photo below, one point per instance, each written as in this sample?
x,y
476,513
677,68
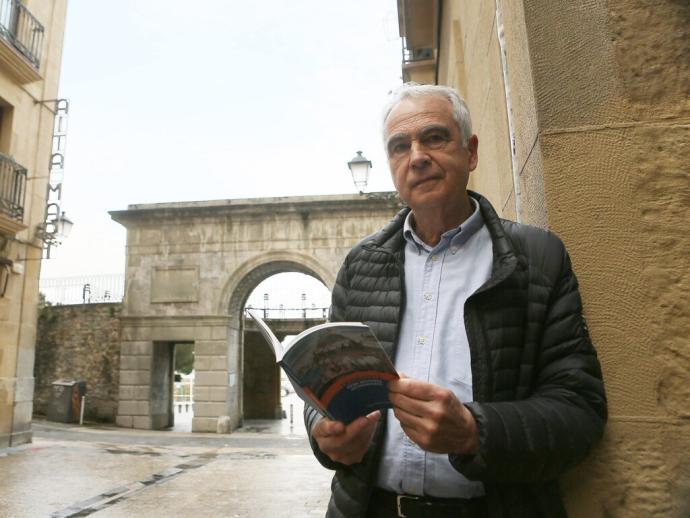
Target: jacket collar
x,y
505,258
390,239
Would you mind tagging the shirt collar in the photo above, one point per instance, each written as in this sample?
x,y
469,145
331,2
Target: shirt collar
x,y
453,238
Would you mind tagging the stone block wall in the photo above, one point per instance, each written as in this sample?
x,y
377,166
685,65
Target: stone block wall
x,y
81,342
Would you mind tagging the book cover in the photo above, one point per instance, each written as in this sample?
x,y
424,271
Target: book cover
x,y
339,368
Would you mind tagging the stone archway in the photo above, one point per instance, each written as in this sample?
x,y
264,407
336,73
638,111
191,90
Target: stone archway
x,y
260,396
261,375
190,269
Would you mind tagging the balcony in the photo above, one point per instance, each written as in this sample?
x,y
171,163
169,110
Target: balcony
x,y
418,24
21,40
12,189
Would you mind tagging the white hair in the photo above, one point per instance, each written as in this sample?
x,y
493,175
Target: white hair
x,y
411,90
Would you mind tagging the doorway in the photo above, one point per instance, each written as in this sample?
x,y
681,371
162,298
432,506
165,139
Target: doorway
x,y
183,387
172,382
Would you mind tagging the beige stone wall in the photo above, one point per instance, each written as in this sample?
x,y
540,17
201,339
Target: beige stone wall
x,y
613,100
600,98
80,342
27,129
470,61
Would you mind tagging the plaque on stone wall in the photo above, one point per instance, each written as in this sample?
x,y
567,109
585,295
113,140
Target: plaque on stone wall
x,y
175,284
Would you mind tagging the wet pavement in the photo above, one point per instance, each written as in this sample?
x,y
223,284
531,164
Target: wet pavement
x,y
264,469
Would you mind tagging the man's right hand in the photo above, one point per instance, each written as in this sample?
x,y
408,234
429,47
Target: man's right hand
x,y
346,444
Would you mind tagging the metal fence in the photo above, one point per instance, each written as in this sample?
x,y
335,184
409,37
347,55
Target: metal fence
x,y
91,289
87,289
22,30
12,188
284,313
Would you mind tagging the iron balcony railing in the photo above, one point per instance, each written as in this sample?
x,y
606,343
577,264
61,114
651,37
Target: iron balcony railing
x,y
12,188
21,28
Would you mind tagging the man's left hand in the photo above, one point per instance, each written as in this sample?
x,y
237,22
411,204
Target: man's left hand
x,y
433,417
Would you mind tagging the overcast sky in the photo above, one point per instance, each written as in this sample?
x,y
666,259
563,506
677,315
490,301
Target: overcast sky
x,y
172,100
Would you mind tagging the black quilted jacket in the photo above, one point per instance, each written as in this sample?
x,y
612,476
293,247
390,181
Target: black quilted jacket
x,y
539,398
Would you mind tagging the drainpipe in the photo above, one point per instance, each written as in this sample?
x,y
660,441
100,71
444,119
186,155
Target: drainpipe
x,y
439,18
509,109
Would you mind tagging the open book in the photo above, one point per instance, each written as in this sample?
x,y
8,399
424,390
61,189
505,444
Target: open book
x,y
339,368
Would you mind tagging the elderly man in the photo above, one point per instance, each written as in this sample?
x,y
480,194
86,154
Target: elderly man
x,y
501,389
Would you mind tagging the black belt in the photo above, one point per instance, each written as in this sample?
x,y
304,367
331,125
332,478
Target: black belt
x,y
428,506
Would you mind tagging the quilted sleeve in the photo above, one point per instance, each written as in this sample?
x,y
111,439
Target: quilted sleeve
x,y
538,438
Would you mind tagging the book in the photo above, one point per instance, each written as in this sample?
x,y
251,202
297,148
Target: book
x,y
339,368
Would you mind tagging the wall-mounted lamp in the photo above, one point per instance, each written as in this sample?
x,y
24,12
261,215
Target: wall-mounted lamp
x,y
359,167
54,231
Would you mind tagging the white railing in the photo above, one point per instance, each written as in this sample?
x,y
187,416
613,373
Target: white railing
x,y
87,289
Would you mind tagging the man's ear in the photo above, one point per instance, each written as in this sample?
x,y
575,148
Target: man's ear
x,y
473,148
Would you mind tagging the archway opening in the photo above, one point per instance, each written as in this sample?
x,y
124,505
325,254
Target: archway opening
x,y
290,302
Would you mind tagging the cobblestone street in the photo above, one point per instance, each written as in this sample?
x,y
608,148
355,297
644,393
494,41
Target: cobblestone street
x,y
264,469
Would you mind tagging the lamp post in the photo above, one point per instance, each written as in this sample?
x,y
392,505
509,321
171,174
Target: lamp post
x,y
359,167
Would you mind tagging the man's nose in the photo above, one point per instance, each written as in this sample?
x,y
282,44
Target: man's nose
x,y
419,157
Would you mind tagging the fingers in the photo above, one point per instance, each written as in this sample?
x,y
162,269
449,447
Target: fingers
x,y
433,417
326,428
376,414
411,406
346,444
421,399
414,388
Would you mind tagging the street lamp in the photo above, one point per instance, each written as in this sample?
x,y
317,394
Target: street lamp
x,y
64,226
54,231
359,167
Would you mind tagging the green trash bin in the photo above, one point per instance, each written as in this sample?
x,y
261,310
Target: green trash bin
x,y
65,403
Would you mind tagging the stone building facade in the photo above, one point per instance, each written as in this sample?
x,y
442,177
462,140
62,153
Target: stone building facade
x,y
80,342
31,34
191,267
583,115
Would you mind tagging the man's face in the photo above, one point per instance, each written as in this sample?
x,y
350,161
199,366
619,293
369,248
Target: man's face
x,y
429,164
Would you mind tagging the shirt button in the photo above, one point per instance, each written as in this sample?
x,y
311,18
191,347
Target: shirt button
x,y
453,249
428,296
421,340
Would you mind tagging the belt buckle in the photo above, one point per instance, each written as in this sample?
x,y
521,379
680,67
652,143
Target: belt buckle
x,y
399,500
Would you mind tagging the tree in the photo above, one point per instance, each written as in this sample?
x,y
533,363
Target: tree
x,y
184,358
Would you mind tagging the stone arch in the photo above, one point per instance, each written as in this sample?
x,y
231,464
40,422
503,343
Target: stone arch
x,y
248,275
191,267
258,365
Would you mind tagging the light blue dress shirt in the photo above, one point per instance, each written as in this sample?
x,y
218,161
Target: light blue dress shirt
x,y
433,347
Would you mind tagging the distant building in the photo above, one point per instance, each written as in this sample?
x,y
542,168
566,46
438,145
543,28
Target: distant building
x,y
31,35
